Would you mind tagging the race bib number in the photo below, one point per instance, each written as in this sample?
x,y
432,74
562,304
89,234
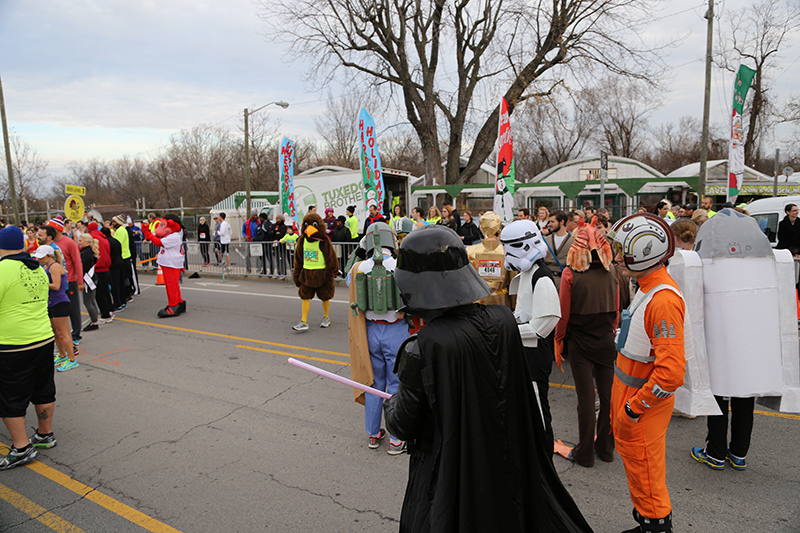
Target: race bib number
x,y
311,255
490,268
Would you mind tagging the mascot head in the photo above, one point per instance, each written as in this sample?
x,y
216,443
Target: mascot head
x,y
168,225
313,228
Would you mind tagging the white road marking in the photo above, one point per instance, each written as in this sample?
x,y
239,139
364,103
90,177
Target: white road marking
x,y
287,297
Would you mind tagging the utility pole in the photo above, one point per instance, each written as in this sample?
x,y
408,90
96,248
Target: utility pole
x,y
706,101
247,163
777,166
6,144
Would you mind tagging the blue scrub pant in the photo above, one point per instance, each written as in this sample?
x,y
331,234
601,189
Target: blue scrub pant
x,y
384,341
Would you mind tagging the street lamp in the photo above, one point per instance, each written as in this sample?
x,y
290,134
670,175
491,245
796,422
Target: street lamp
x,y
247,149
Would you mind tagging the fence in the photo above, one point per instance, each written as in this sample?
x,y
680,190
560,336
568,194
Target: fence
x,y
268,259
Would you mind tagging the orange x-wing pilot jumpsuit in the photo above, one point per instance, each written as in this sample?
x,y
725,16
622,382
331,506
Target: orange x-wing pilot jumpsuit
x,y
648,379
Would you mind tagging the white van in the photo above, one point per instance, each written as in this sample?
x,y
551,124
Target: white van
x,y
768,212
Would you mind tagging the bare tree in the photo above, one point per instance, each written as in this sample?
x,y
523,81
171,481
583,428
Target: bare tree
x,y
755,38
620,107
94,174
677,145
436,54
338,127
29,170
550,130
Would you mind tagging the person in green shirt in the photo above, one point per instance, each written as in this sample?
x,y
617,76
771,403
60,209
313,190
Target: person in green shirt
x,y
120,232
26,349
289,240
352,222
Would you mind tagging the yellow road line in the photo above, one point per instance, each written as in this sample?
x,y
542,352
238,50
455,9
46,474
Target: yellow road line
x,y
764,413
34,510
222,335
293,355
93,495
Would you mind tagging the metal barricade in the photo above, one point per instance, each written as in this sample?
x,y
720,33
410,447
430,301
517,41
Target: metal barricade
x,y
270,259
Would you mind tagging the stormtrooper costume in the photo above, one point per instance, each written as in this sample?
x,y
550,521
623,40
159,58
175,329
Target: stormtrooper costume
x,y
537,308
649,368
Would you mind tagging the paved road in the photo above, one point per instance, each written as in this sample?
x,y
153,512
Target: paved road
x,y
198,424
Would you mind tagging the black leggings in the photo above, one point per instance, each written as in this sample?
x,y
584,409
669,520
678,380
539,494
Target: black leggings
x,y
104,294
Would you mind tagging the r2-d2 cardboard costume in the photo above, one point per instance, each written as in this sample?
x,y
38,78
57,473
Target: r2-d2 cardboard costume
x,y
743,320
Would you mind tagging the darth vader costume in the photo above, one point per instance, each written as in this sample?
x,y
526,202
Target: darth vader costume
x,y
466,405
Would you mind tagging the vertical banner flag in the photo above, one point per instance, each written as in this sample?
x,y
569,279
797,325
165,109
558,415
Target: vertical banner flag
x,y
371,171
736,149
504,184
286,169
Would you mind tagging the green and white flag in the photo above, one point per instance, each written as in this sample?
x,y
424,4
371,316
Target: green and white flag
x,y
736,150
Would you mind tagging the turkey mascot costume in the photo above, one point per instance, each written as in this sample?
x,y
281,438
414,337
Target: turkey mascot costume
x,y
169,236
315,268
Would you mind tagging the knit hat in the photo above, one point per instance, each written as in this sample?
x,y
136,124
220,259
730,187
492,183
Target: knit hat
x,y
129,220
351,209
56,223
12,238
119,219
92,226
328,210
43,250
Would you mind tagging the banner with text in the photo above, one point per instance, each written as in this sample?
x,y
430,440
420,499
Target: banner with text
x,y
286,168
504,183
371,171
736,148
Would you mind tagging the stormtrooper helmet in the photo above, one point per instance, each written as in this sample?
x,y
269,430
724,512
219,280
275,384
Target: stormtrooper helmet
x,y
523,245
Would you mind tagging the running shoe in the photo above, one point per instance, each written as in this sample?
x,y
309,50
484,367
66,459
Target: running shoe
x,y
397,449
375,442
43,441
700,455
18,457
91,327
108,320
121,307
326,322
69,365
76,342
60,360
737,463
300,326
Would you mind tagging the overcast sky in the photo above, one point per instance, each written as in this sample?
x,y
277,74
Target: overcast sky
x,y
108,78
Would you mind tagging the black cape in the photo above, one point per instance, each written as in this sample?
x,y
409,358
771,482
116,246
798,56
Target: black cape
x,y
476,438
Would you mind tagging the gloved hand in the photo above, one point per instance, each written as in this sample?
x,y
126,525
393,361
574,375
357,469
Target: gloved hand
x,y
559,347
521,317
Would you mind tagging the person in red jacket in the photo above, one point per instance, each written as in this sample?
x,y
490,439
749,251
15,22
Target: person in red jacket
x,y
103,270
72,256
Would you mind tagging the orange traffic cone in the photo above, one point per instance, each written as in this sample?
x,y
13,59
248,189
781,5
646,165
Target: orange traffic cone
x,y
159,276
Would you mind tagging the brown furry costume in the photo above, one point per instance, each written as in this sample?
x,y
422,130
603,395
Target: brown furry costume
x,y
319,282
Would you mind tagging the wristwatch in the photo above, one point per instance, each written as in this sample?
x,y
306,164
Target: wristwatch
x,y
630,413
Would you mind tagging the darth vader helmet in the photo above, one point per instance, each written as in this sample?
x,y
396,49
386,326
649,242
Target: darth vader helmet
x,y
433,271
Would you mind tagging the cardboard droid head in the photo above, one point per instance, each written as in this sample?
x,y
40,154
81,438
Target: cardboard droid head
x,y
491,224
733,234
